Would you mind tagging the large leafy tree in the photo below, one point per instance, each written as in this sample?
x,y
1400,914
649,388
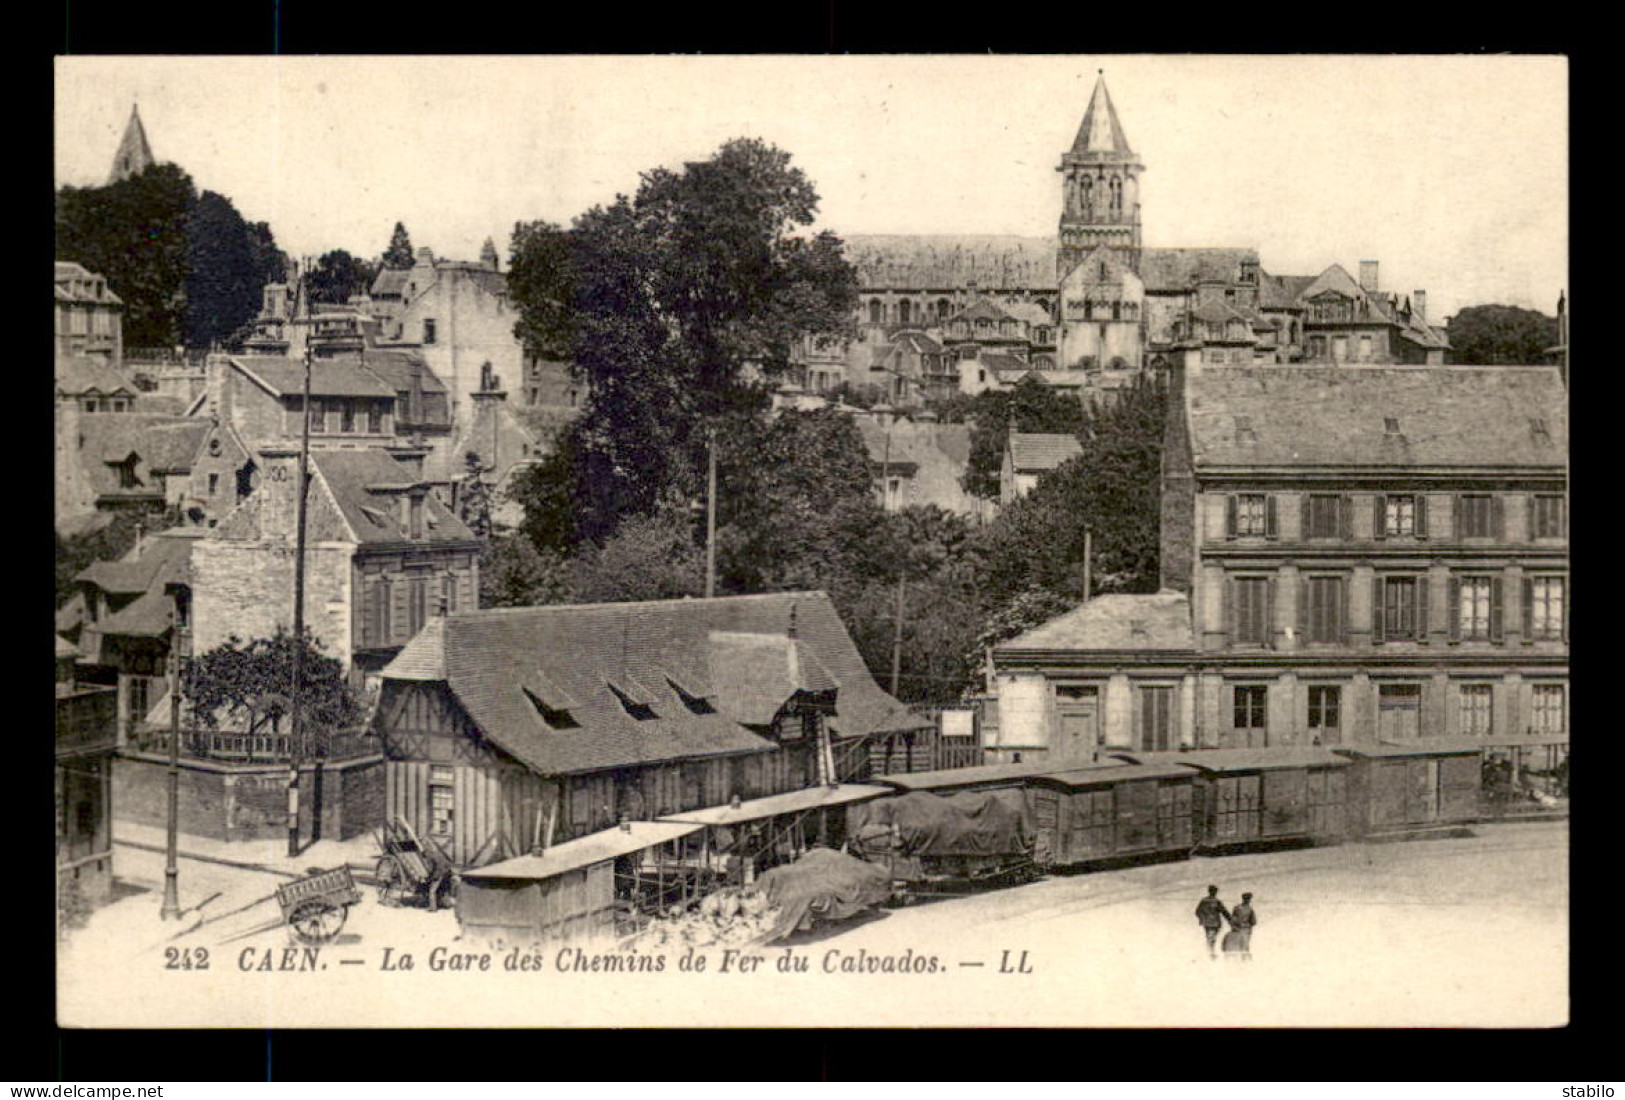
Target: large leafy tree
x,y
229,262
1496,335
338,276
513,573
249,682
673,305
134,232
399,253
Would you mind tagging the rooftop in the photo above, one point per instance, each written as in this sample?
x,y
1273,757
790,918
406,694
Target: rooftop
x,y
1042,451
1116,623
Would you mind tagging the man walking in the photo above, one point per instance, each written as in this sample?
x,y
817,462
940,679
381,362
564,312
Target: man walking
x,y
1243,919
1211,914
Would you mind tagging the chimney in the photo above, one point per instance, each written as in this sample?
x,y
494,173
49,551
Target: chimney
x,y
1419,304
1368,276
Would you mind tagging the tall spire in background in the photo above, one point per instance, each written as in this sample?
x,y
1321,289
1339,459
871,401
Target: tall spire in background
x,y
134,155
1100,131
1100,190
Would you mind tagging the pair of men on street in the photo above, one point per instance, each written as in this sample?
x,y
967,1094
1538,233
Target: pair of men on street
x,y
1212,915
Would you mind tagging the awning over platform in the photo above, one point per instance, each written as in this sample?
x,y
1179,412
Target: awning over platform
x,y
1241,760
756,809
573,855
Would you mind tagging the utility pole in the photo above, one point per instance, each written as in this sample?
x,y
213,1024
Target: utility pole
x,y
171,909
897,635
295,725
710,511
1088,562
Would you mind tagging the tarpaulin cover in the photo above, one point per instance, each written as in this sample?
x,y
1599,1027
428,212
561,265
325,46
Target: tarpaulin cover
x,y
823,884
969,823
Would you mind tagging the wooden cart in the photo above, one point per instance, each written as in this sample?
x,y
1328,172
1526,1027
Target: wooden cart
x,y
317,905
409,869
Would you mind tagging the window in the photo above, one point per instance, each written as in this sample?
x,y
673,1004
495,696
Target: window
x,y
556,717
1544,607
417,604
1546,517
1477,608
183,608
1475,516
1156,719
1325,609
1401,516
943,309
1475,709
1317,347
428,330
1326,516
346,416
214,484
905,311
1400,611
382,627
449,593
1340,348
1325,707
140,698
876,311
442,800
126,474
1249,706
415,516
1252,515
1365,349
1251,610
1117,194
318,415
1546,708
643,712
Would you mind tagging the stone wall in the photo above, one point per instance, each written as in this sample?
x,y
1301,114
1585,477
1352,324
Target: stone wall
x,y
246,588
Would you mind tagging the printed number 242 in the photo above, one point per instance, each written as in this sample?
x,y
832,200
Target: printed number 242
x,y
186,958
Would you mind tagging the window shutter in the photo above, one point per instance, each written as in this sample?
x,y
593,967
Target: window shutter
x,y
1453,610
1421,516
1271,530
1229,617
1345,516
1421,609
1379,518
1563,586
1455,517
1303,513
1269,613
1497,612
1529,609
1498,517
1230,516
1377,611
1531,509
1305,584
1341,589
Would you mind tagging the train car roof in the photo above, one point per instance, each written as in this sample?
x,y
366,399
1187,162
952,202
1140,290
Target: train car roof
x,y
1441,747
1084,777
1242,760
984,774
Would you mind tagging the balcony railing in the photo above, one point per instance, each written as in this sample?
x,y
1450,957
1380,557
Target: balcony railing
x,y
229,747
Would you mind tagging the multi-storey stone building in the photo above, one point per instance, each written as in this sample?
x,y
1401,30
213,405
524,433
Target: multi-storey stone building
x,y
1349,554
89,316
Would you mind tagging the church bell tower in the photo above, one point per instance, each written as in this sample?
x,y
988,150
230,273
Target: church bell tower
x,y
1100,189
134,155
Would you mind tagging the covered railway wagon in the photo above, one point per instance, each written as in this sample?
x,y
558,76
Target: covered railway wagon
x,y
1115,812
1248,797
1395,787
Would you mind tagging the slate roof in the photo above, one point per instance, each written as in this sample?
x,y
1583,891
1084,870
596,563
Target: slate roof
x,y
112,437
69,277
1042,451
919,342
338,377
77,375
982,309
568,655
1333,416
390,282
759,673
1172,269
950,261
913,442
395,367
159,556
1003,361
1100,132
1282,291
1107,623
173,447
358,481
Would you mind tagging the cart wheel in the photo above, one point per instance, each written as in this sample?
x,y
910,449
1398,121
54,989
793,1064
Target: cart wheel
x,y
317,921
389,876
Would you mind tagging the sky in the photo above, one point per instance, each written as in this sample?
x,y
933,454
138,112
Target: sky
x,y
1451,171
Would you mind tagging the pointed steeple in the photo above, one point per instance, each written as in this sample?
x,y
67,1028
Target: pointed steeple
x,y
1100,132
134,155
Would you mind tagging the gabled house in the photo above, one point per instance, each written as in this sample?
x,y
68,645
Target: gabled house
x,y
1030,455
511,729
919,461
89,316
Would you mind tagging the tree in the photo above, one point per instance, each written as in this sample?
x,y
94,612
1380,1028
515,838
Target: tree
x,y
250,681
513,573
651,557
227,271
134,232
474,497
1112,489
399,254
671,306
1495,335
339,276
1028,406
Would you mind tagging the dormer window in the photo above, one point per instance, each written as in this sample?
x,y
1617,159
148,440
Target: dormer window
x,y
643,712
415,516
556,718
697,704
1390,425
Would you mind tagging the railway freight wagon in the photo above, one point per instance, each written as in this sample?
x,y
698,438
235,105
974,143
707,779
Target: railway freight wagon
x,y
1394,787
1117,812
1249,797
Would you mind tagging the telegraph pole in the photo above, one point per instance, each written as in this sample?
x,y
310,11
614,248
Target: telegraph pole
x,y
1088,562
710,511
172,902
295,725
